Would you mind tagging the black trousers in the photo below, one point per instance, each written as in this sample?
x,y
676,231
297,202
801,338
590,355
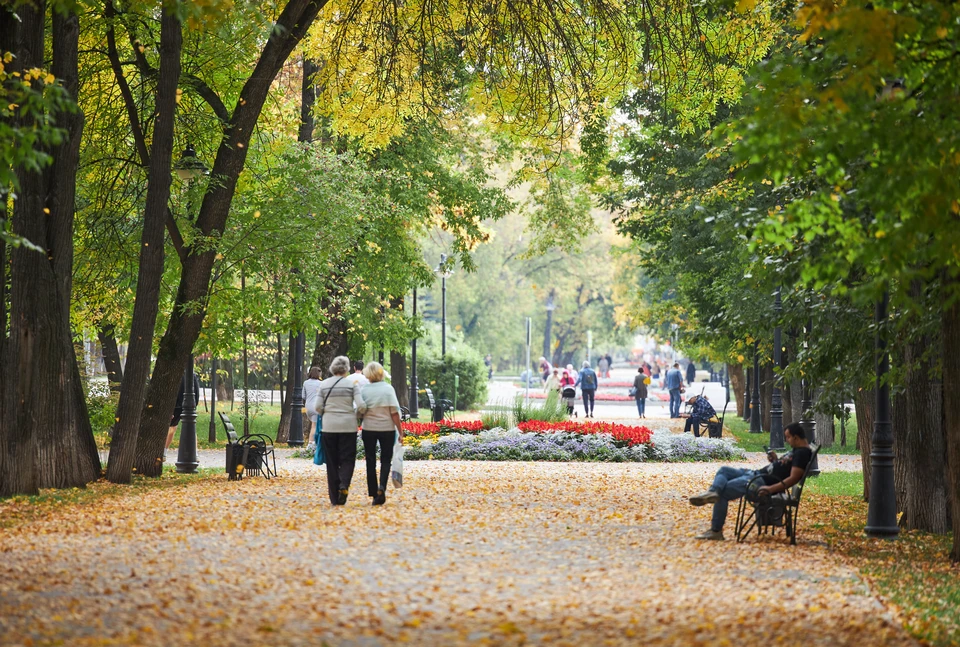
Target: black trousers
x,y
340,452
694,423
370,440
588,395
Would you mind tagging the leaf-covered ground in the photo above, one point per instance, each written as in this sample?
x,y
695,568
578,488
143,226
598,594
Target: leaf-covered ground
x,y
479,553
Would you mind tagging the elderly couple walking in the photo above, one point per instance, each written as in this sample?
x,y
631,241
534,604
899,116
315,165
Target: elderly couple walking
x,y
340,400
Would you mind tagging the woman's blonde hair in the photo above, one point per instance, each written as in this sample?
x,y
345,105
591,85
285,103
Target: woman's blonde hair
x,y
340,365
373,372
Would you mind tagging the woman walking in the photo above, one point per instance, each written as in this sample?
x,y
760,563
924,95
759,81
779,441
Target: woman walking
x,y
640,392
335,400
381,421
310,388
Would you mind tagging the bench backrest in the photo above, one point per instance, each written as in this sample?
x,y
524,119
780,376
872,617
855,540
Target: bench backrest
x,y
430,399
228,427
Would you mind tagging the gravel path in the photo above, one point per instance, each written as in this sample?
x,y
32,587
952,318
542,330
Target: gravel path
x,y
465,553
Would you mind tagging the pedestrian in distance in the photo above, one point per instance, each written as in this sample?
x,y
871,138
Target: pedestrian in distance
x,y
568,390
603,366
338,399
609,364
640,392
381,426
553,382
357,375
691,372
311,387
587,381
673,382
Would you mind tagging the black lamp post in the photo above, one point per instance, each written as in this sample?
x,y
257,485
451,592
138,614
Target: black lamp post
x,y
414,386
755,403
806,406
776,401
882,509
444,274
188,168
295,435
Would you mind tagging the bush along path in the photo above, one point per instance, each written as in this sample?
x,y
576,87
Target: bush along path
x,y
536,440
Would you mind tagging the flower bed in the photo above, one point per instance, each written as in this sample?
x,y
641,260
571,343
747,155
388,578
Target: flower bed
x,y
441,428
517,445
631,435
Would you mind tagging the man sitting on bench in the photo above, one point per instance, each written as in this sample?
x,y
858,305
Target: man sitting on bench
x,y
701,412
730,483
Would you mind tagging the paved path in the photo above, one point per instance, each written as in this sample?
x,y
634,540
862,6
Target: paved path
x,y
466,553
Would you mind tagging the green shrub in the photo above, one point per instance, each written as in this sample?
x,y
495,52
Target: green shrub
x,y
552,410
101,409
439,377
497,416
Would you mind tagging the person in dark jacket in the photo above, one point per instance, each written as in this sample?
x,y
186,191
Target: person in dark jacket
x,y
691,372
701,412
640,392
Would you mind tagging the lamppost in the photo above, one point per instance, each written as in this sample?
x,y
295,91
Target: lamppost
x,y
444,273
806,405
188,168
776,401
755,403
414,387
295,435
882,509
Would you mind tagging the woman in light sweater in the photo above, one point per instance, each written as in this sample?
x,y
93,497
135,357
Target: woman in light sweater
x,y
381,420
310,388
337,402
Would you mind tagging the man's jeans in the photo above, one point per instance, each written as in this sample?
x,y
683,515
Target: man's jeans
x,y
731,484
675,401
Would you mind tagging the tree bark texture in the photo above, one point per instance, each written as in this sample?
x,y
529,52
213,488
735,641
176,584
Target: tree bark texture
x,y
826,433
45,435
766,395
186,319
865,401
330,343
123,447
111,356
951,407
398,373
735,371
283,429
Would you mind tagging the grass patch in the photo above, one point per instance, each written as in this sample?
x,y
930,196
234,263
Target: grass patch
x,y
914,572
265,421
836,484
21,509
755,442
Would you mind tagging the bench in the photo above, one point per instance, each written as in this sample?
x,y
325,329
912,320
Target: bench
x,y
438,407
767,514
251,453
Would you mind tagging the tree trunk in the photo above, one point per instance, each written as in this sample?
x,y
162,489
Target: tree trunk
x,y
826,434
787,398
865,401
735,371
901,428
951,405
398,372
111,356
45,436
330,343
283,429
186,319
123,447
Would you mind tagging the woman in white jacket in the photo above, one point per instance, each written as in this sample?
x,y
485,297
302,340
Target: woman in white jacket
x,y
337,401
310,389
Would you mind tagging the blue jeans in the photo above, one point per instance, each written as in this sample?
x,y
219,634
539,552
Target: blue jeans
x,y
588,396
731,484
675,401
641,406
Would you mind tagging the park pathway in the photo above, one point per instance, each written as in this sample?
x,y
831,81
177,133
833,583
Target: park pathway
x,y
478,553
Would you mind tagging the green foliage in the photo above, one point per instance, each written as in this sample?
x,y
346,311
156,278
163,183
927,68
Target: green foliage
x,y
461,360
551,410
497,417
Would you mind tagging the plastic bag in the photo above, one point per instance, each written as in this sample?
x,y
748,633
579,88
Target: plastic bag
x,y
396,465
318,457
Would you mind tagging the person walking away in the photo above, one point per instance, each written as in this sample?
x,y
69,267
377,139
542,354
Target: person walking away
x,y
587,381
544,370
337,398
673,382
310,388
357,375
640,392
691,372
602,366
609,364
730,483
702,412
381,424
488,362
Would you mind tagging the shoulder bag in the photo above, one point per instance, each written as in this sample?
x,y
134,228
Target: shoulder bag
x,y
318,457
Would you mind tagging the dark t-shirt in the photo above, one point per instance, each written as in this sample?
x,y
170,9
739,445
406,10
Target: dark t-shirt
x,y
799,457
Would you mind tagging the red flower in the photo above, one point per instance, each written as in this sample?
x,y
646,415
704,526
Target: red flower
x,y
632,435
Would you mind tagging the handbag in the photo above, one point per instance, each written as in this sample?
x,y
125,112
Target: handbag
x,y
318,457
396,465
632,392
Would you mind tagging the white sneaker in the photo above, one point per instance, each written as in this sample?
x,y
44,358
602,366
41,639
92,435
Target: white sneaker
x,y
706,498
711,535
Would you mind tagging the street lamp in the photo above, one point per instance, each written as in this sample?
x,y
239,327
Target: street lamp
x,y
776,402
188,168
755,403
295,434
444,273
414,387
806,405
882,509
